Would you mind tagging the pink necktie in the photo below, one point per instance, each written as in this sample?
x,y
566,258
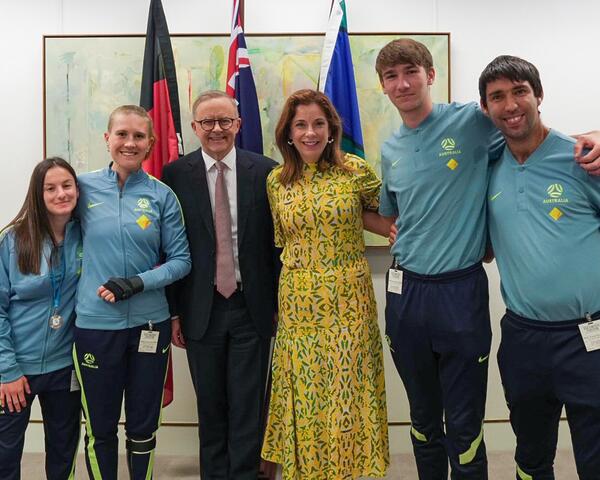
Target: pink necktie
x,y
226,284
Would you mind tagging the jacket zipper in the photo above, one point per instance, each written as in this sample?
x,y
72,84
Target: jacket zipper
x,y
46,327
121,227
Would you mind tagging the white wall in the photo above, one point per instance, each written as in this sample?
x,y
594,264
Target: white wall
x,y
559,37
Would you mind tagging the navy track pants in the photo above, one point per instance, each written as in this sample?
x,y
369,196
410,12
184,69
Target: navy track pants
x,y
61,414
108,364
439,334
544,366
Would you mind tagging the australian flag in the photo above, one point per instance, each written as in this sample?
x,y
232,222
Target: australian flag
x,y
240,85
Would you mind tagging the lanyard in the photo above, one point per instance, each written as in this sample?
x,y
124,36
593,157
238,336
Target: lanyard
x,y
57,284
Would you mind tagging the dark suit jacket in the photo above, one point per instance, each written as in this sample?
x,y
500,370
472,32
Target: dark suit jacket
x,y
191,298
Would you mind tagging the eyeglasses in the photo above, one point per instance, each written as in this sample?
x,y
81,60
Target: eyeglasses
x,y
209,123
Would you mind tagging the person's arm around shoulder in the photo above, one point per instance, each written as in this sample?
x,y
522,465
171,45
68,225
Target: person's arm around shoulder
x,y
587,151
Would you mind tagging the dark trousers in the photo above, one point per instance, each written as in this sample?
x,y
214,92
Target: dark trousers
x,y
543,366
440,337
228,367
108,363
61,414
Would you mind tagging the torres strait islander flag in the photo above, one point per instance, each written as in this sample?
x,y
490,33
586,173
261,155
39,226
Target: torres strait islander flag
x,y
240,85
159,94
160,99
336,79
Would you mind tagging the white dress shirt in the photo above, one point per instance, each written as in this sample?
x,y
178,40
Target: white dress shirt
x,y
231,184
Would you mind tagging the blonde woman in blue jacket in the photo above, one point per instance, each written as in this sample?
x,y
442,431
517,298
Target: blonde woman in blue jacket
x,y
134,245
40,252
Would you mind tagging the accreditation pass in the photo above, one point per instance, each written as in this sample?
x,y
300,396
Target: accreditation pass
x,y
590,332
395,280
148,341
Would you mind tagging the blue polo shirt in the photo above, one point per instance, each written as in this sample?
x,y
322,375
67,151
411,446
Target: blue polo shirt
x,y
544,226
435,180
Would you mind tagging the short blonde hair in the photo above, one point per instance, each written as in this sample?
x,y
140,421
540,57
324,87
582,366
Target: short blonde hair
x,y
132,110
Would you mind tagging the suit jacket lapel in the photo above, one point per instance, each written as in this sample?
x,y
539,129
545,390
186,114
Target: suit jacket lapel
x,y
245,191
200,187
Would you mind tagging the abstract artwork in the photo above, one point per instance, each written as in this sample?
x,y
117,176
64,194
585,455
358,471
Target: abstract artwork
x,y
86,77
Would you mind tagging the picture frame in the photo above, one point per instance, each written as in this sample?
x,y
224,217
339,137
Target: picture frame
x,y
87,76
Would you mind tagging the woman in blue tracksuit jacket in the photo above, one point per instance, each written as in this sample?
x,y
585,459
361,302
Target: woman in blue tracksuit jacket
x,y
40,263
134,245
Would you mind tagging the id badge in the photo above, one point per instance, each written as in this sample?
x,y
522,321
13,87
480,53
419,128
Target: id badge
x,y
395,281
590,333
74,382
148,341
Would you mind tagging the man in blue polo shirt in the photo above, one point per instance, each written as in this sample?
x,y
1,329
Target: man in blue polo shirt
x,y
435,170
437,317
544,223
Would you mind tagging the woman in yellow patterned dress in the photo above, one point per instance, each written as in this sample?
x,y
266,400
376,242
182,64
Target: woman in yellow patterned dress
x,y
327,414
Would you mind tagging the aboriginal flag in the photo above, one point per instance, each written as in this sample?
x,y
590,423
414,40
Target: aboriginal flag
x,y
159,92
160,99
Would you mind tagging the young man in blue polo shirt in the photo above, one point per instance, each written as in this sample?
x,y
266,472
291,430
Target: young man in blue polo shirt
x,y
435,170
437,317
544,223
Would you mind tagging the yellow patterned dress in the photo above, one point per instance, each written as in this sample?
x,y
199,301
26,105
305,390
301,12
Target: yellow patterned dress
x,y
327,414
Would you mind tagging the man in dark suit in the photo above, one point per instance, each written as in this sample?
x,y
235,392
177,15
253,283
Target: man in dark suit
x,y
223,311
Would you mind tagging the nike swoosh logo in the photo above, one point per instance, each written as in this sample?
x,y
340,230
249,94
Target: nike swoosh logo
x,y
395,163
483,359
494,197
92,205
166,349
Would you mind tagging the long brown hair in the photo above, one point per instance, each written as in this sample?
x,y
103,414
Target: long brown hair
x,y
31,225
292,162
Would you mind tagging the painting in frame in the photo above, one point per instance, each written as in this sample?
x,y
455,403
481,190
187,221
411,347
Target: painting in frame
x,y
87,76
